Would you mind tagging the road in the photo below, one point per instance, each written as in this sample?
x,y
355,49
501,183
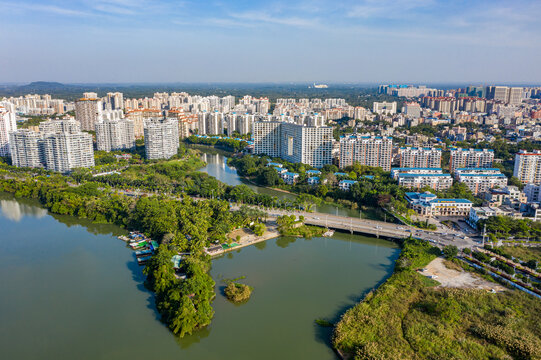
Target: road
x,y
378,228
363,226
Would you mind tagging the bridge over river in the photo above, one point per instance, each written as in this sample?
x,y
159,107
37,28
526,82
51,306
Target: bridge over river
x,y
358,225
376,228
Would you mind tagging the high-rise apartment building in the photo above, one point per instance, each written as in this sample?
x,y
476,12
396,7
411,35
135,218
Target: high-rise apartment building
x,y
8,124
59,146
373,151
267,140
470,158
26,149
515,95
161,138
500,93
417,157
296,143
412,109
528,166
65,152
57,127
310,145
388,108
137,117
115,101
115,135
241,123
211,123
88,112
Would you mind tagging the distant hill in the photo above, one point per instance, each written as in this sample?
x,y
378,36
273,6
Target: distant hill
x,y
44,85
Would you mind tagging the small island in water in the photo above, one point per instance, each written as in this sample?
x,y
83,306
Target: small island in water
x,y
237,292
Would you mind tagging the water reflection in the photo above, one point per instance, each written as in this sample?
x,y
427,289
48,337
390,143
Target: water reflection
x,y
98,294
14,210
217,167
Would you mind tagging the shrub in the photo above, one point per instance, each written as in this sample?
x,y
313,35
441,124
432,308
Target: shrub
x,y
237,292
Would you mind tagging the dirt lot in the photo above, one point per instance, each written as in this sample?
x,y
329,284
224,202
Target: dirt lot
x,y
457,279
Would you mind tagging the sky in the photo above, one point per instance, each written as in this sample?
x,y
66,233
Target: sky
x,y
323,41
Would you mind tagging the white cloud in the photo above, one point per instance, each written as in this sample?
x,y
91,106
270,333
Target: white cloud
x,y
267,17
52,9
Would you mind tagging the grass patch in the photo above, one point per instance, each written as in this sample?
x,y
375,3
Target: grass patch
x,y
523,253
306,231
406,318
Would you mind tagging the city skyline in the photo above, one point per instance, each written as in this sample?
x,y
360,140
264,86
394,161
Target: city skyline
x,y
120,41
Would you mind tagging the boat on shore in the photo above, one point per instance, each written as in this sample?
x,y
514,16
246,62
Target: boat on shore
x,y
328,233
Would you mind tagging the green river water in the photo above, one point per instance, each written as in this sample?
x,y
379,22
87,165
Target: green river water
x,y
71,290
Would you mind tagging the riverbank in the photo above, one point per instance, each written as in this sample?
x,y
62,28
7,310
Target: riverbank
x,y
244,237
411,317
39,247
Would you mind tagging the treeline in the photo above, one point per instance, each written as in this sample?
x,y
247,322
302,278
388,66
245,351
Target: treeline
x,y
378,190
503,227
227,144
185,304
181,226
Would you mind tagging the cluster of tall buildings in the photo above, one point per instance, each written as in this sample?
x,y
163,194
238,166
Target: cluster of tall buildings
x,y
59,146
505,94
421,167
408,90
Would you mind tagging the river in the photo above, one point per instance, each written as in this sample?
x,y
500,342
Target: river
x,y
218,168
71,290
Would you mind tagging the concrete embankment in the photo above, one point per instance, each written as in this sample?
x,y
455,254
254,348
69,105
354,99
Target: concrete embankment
x,y
244,237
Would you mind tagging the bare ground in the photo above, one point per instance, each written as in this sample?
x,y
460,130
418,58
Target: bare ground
x,y
457,278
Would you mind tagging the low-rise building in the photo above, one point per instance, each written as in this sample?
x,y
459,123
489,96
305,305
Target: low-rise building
x,y
428,204
313,180
533,192
479,180
437,182
346,184
425,171
290,177
480,213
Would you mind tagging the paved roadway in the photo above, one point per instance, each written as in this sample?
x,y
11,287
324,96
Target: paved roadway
x,y
379,228
364,226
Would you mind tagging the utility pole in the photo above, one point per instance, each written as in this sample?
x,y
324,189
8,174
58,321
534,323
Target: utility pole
x,y
484,234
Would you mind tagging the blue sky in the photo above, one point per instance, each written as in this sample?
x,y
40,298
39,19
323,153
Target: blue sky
x,y
270,41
